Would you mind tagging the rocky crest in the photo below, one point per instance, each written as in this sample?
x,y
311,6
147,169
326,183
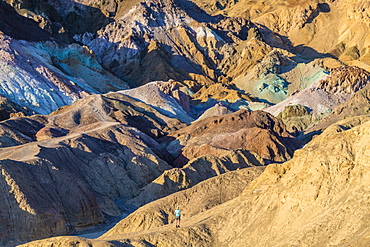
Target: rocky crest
x,y
345,79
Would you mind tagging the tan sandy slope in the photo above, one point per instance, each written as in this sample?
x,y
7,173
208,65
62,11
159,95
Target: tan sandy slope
x,y
194,172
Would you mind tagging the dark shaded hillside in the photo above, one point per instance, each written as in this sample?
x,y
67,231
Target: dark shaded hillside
x,y
19,27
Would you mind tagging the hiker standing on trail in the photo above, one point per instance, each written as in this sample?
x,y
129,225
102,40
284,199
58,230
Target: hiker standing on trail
x,y
178,216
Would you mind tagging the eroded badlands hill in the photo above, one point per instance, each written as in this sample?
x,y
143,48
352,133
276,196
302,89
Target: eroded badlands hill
x,y
104,148
62,172
319,198
200,72
242,129
41,73
45,76
314,27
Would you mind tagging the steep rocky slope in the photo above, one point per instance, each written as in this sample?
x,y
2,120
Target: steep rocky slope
x,y
198,49
41,73
176,39
357,105
168,40
314,28
45,76
20,27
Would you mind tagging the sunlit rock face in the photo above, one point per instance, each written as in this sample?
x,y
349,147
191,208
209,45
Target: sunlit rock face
x,y
240,130
309,106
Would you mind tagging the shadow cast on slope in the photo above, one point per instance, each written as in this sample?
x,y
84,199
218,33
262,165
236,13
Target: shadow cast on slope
x,y
198,14
309,54
304,54
19,27
84,19
63,23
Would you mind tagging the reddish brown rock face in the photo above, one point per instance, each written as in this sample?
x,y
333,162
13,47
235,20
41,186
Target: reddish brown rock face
x,y
239,130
